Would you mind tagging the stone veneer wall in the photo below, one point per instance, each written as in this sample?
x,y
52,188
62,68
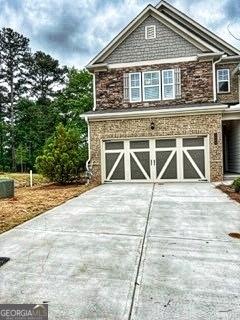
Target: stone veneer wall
x,y
164,126
196,85
233,95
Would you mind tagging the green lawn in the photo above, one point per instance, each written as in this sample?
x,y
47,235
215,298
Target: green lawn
x,y
22,179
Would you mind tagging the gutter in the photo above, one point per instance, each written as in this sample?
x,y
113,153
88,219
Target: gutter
x,y
214,79
150,113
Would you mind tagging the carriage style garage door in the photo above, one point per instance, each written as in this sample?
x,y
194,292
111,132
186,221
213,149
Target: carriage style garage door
x,y
153,160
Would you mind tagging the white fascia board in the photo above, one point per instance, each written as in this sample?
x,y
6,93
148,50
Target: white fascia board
x,y
197,25
118,37
184,32
157,113
167,21
233,109
151,62
198,57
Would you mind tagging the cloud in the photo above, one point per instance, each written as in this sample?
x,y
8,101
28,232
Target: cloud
x,y
74,32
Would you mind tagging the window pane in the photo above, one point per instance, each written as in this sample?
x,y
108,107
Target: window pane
x,y
114,145
151,78
139,144
168,77
223,86
166,143
168,91
193,142
223,74
135,94
135,80
152,93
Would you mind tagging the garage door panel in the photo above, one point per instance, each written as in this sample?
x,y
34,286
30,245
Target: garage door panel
x,y
179,159
198,157
115,168
119,172
138,163
171,170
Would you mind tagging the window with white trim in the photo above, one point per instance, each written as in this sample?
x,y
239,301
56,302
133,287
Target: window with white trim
x,y
223,80
135,87
150,32
168,85
151,85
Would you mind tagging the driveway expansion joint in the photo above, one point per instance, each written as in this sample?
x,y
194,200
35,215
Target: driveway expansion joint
x,y
136,283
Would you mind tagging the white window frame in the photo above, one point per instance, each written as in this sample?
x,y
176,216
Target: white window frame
x,y
219,81
140,87
159,85
154,31
173,84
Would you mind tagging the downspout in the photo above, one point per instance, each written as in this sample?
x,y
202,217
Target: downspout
x,y
214,79
94,92
88,167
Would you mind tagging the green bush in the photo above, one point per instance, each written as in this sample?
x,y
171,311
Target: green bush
x,y
236,185
64,156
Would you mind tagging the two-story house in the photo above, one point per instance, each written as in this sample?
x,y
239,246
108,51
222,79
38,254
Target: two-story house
x,y
166,102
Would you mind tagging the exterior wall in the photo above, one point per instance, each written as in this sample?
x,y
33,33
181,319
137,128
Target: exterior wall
x,y
164,127
167,44
233,95
196,86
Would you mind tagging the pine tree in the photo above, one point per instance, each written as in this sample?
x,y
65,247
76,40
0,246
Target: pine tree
x,y
46,76
14,57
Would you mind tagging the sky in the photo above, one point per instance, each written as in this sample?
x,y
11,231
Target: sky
x,y
74,31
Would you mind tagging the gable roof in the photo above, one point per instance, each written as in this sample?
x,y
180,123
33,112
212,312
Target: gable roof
x,y
150,10
196,28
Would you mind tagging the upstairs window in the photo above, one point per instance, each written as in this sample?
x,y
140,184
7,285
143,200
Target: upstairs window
x,y
135,87
168,87
151,86
223,81
150,32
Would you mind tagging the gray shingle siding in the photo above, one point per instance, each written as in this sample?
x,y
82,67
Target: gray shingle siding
x,y
167,44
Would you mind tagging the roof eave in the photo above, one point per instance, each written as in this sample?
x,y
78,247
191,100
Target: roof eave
x,y
157,113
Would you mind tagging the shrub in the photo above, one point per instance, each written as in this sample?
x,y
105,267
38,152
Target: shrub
x,y
63,156
236,185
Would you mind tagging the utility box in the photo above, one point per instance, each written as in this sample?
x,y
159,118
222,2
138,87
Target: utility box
x,y
6,188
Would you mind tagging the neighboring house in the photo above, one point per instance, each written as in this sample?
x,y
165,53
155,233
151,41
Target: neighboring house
x,y
166,102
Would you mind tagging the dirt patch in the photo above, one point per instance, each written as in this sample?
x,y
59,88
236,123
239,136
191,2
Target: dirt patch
x,y
230,192
235,235
30,202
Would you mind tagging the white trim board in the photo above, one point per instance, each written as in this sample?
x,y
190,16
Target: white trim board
x,y
198,26
158,112
150,10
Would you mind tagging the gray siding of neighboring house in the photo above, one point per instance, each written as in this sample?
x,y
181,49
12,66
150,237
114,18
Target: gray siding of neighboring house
x,y
167,44
234,148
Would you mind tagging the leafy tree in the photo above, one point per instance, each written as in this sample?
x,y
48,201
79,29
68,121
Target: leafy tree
x,y
46,76
35,123
22,156
14,54
75,98
63,157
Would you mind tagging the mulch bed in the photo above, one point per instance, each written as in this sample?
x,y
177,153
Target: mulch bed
x,y
230,192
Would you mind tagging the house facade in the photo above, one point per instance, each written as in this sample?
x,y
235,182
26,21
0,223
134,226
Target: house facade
x,y
166,102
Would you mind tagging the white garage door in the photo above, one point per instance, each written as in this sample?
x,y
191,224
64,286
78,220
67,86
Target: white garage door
x,y
155,160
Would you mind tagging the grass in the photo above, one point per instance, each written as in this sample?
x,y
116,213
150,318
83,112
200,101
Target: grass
x,y
22,179
30,202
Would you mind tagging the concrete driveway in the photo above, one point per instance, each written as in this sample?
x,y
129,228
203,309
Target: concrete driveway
x,y
129,251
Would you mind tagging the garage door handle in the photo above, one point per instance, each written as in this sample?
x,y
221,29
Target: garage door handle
x,y
151,162
154,162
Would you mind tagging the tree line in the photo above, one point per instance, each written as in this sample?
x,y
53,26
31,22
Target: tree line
x,y
36,95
